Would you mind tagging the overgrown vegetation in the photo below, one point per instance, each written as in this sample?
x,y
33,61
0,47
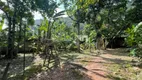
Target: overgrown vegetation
x,y
89,24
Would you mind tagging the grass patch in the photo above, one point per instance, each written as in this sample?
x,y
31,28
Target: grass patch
x,y
122,72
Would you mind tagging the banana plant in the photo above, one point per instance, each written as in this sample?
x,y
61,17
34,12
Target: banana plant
x,y
48,10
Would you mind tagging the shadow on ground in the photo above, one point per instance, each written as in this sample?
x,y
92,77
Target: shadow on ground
x,y
118,51
16,66
69,71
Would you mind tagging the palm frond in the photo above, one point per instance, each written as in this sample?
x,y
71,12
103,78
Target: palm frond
x,y
59,14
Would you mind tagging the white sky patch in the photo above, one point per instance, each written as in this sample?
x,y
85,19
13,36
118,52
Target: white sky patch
x,y
37,15
59,9
1,12
3,0
5,24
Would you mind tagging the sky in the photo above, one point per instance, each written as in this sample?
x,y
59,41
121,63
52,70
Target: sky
x,y
37,15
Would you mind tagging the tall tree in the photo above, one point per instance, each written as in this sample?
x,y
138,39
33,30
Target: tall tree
x,y
12,11
76,10
134,12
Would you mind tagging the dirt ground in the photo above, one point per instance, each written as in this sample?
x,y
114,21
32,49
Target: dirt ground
x,y
110,64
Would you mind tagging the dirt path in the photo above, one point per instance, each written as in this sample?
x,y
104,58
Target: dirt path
x,y
96,70
98,65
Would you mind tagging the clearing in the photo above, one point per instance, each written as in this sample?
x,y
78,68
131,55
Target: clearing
x,y
110,64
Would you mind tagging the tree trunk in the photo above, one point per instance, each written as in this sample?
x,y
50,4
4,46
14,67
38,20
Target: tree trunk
x,y
38,46
14,55
11,37
100,43
48,31
9,40
24,49
51,30
89,46
78,40
19,37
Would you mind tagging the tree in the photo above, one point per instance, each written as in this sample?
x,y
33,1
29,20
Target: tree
x,y
135,11
107,17
13,9
76,10
48,9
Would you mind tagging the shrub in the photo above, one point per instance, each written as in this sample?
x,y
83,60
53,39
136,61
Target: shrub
x,y
138,39
135,39
130,40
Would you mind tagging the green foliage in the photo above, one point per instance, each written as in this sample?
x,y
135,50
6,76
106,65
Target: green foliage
x,y
3,38
130,40
92,36
134,35
135,39
44,25
138,39
3,35
61,32
72,46
134,11
138,33
139,52
1,24
133,52
64,35
46,7
87,29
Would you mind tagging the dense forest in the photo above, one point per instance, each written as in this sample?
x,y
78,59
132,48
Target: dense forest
x,y
68,38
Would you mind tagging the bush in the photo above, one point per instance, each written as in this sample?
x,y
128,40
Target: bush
x,y
130,40
138,39
135,39
72,47
138,33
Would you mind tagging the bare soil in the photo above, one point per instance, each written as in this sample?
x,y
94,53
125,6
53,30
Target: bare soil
x,y
110,64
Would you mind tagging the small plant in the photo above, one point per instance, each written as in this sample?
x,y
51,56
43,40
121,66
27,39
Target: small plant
x,y
133,52
138,39
130,40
